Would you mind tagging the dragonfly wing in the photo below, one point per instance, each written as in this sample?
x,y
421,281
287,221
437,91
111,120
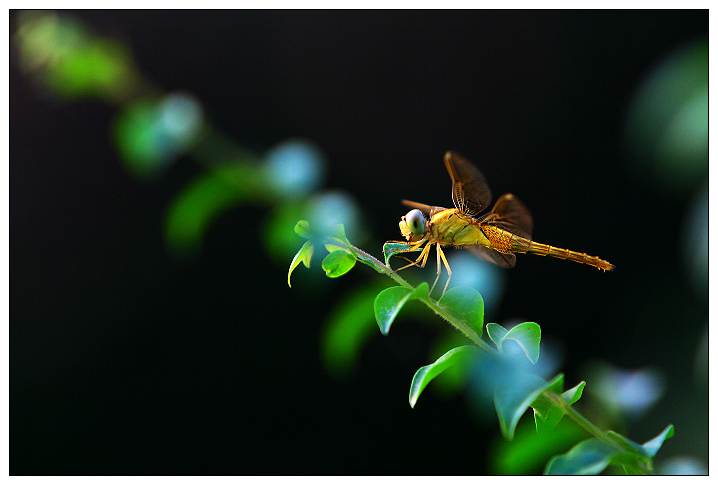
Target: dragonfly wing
x,y
427,209
505,260
469,190
510,214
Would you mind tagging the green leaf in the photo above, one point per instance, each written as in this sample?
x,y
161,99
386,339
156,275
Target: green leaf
x,y
574,394
392,247
652,446
302,228
340,235
647,449
454,379
278,233
388,303
425,375
529,451
527,335
304,255
549,420
547,414
421,291
634,456
333,247
496,333
466,305
338,263
339,242
556,384
513,394
341,238
589,457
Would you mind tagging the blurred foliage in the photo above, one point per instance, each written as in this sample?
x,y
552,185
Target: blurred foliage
x,y
694,240
64,58
153,129
624,394
529,452
667,124
150,134
666,141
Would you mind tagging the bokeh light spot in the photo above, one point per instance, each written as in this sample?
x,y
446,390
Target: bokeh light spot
x,y
623,392
327,209
295,168
151,134
694,241
180,117
486,278
682,465
667,123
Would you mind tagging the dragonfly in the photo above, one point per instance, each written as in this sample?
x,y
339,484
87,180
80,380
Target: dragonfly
x,y
496,236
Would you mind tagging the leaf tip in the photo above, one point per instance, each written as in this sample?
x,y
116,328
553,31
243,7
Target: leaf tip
x,y
302,229
304,255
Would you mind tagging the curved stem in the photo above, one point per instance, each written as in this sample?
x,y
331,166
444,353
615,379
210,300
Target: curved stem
x,y
591,428
468,332
433,304
579,419
568,410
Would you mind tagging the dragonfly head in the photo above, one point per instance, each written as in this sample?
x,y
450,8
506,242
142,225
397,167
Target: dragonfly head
x,y
412,225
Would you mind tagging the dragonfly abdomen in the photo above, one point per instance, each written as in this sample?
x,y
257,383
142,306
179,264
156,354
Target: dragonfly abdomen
x,y
505,242
546,250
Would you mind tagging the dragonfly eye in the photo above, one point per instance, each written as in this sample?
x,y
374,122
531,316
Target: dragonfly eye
x,y
415,221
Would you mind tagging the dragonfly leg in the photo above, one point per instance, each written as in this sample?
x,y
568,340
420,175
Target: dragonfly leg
x,y
411,263
423,255
438,267
448,268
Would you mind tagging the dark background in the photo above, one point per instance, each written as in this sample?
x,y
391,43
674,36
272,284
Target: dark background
x,y
125,360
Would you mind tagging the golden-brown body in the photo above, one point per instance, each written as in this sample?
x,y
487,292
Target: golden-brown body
x,y
495,236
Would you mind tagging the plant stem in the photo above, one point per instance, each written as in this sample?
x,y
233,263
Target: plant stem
x,y
591,428
468,332
568,410
579,419
433,304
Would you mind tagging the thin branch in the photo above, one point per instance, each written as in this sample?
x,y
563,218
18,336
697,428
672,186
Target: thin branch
x,y
569,411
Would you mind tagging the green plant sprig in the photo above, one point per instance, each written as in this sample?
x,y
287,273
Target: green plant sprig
x,y
515,387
